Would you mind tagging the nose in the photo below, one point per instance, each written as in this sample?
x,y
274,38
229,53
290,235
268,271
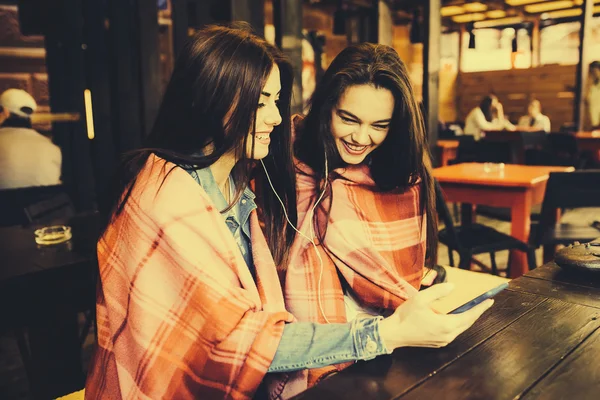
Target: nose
x,y
273,117
361,135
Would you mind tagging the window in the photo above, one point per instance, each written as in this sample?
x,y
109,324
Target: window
x,y
559,44
492,51
522,58
449,52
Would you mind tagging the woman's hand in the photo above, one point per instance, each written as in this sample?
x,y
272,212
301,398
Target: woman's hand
x,y
499,111
416,324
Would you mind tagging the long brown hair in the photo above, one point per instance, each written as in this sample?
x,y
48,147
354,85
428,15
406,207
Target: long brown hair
x,y
218,77
486,106
403,158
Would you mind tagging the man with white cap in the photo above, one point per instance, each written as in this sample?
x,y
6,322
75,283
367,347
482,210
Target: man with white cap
x,y
27,158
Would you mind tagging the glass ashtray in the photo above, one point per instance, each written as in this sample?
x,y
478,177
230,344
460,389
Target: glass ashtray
x,y
53,234
493,167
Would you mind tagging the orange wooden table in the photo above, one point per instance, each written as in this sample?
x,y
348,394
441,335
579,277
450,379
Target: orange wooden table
x,y
517,187
447,150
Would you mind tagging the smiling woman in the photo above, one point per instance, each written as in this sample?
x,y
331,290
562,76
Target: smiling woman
x,y
361,120
365,202
267,116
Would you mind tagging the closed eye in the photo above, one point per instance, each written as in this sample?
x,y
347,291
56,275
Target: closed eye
x,y
382,127
347,120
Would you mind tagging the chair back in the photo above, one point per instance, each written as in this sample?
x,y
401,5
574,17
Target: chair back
x,y
516,147
495,151
14,201
535,144
50,209
466,151
444,214
563,149
578,189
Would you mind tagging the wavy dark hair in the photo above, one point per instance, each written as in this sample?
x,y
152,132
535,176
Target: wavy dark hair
x,y
486,107
218,77
403,157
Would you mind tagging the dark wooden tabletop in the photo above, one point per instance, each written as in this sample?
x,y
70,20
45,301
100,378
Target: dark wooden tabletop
x,y
33,276
541,339
42,288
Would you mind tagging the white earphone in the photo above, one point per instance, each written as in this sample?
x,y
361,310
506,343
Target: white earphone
x,y
310,225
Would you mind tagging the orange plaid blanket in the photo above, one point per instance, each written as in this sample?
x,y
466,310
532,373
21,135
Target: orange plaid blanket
x,y
179,314
374,240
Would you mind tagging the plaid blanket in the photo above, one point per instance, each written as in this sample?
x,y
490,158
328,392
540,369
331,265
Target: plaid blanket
x,y
374,240
179,314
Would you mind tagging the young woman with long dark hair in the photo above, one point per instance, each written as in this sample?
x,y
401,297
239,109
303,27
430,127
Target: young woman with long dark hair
x,y
366,204
489,115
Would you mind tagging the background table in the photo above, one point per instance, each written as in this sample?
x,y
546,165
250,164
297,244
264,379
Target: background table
x,y
541,339
42,288
447,151
589,141
517,187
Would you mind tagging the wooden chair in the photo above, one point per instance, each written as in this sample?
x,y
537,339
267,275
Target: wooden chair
x,y
14,201
562,149
50,209
475,239
564,190
502,146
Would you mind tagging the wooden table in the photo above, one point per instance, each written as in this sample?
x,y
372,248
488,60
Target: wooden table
x,y
540,340
42,288
447,151
589,141
517,187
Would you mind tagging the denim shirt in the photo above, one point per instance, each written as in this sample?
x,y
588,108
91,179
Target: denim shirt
x,y
238,218
303,344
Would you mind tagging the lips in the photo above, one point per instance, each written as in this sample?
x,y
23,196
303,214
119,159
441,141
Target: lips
x,y
355,150
263,137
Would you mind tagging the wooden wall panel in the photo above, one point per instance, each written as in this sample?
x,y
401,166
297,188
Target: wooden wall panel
x,y
22,61
15,81
10,33
40,88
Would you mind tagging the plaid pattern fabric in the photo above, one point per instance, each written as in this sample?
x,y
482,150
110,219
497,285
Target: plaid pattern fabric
x,y
179,314
374,240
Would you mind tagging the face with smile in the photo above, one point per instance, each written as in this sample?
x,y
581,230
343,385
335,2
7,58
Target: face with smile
x,y
267,116
360,121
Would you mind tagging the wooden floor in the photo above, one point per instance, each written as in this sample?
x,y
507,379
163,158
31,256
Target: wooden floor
x,y
13,381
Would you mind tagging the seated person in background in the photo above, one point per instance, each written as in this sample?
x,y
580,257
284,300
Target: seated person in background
x,y
489,115
535,118
592,95
27,158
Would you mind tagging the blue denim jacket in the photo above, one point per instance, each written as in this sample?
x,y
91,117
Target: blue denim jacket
x,y
303,344
238,218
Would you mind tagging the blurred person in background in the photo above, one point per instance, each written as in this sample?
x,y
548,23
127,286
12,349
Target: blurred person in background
x,y
27,158
489,115
593,94
535,118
